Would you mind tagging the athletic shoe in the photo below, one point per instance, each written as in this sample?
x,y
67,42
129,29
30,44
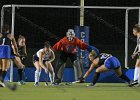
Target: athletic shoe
x,y
90,85
36,84
46,84
55,84
132,83
2,84
58,80
21,82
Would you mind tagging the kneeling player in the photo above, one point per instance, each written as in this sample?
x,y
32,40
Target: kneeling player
x,y
105,62
43,59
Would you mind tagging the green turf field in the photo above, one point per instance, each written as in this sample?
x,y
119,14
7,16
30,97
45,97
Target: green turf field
x,y
102,91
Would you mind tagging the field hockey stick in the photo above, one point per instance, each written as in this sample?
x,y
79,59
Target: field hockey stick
x,y
46,78
24,74
12,87
135,53
74,82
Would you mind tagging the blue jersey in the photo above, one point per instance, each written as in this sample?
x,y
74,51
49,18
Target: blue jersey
x,y
6,46
5,52
109,61
103,57
4,40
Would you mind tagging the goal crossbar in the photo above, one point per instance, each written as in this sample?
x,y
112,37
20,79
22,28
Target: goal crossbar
x,y
62,6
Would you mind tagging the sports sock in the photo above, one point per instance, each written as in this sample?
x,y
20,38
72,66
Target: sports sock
x,y
51,76
139,75
136,73
37,75
124,77
96,77
3,74
20,74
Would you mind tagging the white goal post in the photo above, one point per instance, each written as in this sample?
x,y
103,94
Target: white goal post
x,y
82,23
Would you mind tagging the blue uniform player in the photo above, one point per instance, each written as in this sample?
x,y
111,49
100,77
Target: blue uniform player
x,y
104,62
6,40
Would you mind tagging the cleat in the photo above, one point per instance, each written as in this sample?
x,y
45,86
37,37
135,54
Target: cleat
x,y
132,83
55,84
46,84
2,84
36,84
21,82
58,80
91,85
138,85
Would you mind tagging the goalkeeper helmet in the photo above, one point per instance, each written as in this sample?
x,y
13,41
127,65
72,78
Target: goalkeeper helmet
x,y
70,34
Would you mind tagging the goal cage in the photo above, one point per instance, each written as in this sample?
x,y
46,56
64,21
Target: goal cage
x,y
110,28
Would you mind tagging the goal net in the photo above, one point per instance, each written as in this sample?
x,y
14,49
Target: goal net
x,y
110,28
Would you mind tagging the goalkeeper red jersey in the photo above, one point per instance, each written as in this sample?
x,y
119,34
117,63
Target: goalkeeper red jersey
x,y
69,46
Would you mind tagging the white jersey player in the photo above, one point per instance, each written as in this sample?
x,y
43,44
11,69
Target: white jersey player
x,y
43,59
136,32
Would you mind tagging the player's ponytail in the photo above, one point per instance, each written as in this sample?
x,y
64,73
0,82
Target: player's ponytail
x,y
137,27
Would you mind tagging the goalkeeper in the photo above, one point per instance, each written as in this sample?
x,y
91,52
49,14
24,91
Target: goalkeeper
x,y
67,47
